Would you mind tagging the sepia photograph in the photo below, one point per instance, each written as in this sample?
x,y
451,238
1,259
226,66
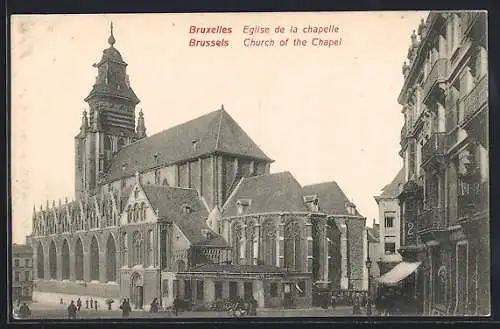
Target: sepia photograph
x,y
249,165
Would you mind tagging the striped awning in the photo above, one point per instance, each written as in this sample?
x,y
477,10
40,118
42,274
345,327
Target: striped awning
x,y
399,273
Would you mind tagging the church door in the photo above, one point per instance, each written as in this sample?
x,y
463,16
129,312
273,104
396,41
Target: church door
x,y
136,293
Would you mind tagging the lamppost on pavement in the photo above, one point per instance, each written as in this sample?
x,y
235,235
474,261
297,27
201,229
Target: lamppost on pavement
x,y
368,267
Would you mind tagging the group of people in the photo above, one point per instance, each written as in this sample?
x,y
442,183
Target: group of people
x,y
243,307
74,308
22,310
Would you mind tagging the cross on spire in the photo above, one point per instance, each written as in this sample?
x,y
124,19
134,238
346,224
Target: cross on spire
x,y
111,39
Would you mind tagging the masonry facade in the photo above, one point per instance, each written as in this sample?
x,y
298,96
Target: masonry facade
x,y
444,144
191,212
22,273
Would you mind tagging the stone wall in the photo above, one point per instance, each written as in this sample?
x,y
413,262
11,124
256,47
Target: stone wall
x,y
355,250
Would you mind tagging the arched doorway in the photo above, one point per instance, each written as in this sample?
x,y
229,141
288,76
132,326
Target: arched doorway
x,y
65,260
94,260
53,260
40,261
78,259
136,290
111,259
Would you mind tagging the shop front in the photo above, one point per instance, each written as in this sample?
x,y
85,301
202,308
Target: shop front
x,y
269,286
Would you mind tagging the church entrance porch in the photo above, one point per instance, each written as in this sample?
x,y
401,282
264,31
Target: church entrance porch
x,y
211,284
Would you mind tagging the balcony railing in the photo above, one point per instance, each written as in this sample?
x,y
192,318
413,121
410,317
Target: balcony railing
x,y
473,199
475,100
439,73
435,146
431,219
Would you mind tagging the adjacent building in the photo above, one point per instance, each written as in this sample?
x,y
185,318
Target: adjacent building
x,y
191,212
444,144
22,273
389,224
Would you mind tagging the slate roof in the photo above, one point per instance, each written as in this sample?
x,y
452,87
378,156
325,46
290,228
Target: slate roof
x,y
170,202
332,199
268,193
374,234
391,190
214,132
237,268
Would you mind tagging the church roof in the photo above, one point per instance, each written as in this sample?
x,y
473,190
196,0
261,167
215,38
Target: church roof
x,y
391,190
230,268
267,193
214,132
332,199
171,202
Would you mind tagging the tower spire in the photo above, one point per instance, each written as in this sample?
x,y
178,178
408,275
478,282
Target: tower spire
x,y
111,39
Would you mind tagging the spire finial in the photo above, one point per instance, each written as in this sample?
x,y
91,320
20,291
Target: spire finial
x,y
222,107
111,39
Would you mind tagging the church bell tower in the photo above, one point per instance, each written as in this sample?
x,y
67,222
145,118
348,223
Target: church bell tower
x,y
110,124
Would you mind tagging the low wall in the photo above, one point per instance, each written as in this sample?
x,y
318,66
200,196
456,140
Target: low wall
x,y
51,292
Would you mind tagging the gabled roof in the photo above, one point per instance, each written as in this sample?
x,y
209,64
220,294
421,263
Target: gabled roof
x,y
332,199
171,202
267,193
391,190
214,132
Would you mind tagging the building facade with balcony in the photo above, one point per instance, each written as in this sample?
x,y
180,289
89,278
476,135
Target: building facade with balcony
x,y
444,146
22,273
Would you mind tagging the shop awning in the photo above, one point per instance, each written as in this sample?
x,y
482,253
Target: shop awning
x,y
398,273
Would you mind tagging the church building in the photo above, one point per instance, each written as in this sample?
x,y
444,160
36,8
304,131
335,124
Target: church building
x,y
192,212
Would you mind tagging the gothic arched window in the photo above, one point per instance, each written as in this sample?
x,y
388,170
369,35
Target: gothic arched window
x,y
136,212
137,248
293,246
157,176
238,242
143,211
124,248
270,234
129,214
150,248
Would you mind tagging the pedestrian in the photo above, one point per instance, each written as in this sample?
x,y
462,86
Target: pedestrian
x,y
24,310
72,310
154,306
125,307
109,301
91,302
61,301
369,306
86,303
253,306
78,304
356,308
95,304
333,301
177,302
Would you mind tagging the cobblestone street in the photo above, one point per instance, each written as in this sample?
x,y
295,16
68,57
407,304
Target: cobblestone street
x,y
47,311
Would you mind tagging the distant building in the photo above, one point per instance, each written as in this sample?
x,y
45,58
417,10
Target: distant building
x,y
373,254
22,273
190,212
390,224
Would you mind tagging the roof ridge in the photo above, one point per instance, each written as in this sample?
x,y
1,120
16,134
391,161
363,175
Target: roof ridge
x,y
161,131
219,129
322,183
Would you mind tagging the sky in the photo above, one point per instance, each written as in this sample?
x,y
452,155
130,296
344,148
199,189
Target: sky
x,y
322,113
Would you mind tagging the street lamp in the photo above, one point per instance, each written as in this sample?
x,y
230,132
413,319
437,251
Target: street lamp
x,y
368,267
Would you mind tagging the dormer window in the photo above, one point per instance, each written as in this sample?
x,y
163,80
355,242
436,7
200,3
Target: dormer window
x,y
187,209
206,233
312,202
242,205
351,208
195,142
